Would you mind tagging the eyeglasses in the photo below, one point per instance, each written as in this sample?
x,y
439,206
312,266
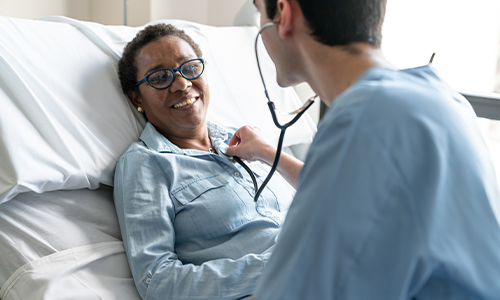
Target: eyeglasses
x,y
163,78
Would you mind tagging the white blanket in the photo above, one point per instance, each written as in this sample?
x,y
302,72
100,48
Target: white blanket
x,y
98,271
36,225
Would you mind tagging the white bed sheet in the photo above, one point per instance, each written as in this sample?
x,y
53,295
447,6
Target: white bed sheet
x,y
63,245
98,271
34,225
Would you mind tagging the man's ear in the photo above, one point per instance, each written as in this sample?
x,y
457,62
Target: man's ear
x,y
134,98
284,17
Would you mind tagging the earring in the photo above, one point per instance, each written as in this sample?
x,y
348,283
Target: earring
x,y
139,109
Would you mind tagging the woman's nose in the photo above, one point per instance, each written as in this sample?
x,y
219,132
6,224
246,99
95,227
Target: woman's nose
x,y
180,83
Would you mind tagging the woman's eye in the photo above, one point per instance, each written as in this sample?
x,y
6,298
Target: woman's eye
x,y
158,78
191,71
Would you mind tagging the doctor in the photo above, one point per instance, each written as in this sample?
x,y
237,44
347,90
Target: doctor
x,y
393,201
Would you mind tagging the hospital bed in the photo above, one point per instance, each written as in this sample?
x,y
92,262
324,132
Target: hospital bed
x,y
63,124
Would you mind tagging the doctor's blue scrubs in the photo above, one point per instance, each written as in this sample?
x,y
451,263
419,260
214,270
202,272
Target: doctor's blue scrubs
x,y
393,201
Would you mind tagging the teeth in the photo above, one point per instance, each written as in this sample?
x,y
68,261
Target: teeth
x,y
189,101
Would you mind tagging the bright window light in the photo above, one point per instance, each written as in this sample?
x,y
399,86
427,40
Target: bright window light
x,y
464,34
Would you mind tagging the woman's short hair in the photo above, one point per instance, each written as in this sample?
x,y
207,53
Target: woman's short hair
x,y
127,66
341,22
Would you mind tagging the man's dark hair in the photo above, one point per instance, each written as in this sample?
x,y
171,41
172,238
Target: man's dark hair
x,y
341,22
127,66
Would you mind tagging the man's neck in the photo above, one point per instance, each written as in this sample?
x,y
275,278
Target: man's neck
x,y
332,70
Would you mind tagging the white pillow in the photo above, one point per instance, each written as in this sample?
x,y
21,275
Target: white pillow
x,y
64,121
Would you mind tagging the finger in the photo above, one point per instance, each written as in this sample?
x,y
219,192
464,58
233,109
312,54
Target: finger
x,y
235,139
232,151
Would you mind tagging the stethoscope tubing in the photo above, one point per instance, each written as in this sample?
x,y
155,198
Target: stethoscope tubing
x,y
283,128
238,160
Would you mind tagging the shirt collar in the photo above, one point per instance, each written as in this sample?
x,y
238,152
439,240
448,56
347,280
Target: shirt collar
x,y
156,141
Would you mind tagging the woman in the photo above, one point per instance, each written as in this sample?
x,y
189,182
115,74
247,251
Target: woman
x,y
190,226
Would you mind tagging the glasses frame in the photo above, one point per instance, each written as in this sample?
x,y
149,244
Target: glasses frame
x,y
174,71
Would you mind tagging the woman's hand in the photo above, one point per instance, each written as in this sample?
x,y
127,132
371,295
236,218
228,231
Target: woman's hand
x,y
249,144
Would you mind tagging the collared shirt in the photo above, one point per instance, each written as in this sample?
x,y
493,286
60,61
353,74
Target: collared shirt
x,y
393,201
190,226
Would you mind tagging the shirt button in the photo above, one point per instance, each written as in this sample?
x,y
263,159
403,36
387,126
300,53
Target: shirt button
x,y
268,213
148,280
237,174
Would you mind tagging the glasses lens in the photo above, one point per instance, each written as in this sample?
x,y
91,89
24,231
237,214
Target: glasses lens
x,y
192,69
161,79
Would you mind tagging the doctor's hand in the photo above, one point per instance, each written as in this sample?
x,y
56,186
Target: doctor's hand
x,y
248,143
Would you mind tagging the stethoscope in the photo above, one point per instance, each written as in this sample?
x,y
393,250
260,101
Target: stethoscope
x,y
299,112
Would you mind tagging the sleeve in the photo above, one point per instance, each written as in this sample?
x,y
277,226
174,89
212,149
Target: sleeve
x,y
146,216
343,236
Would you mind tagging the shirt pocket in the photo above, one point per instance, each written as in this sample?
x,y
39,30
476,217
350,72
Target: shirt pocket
x,y
214,206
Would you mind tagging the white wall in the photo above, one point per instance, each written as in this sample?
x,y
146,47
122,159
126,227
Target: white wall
x,y
111,12
139,12
189,10
210,12
222,12
76,9
32,9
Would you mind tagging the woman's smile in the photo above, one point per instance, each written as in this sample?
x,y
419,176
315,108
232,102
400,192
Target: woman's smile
x,y
185,103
